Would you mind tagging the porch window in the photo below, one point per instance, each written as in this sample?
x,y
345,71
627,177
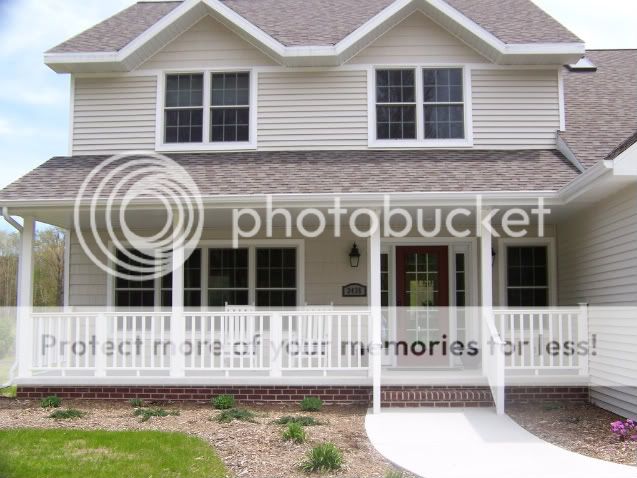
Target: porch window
x,y
228,277
230,107
131,292
443,103
276,277
183,115
192,283
395,104
527,276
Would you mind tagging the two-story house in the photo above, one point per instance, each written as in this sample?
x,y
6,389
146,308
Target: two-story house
x,y
271,115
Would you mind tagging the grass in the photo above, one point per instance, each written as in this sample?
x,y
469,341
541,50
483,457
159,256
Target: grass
x,y
67,414
302,420
322,458
136,402
147,413
311,404
102,454
9,392
227,416
294,432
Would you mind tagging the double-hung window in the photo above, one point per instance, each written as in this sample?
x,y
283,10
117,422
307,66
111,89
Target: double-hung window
x,y
209,109
527,272
395,104
422,105
183,116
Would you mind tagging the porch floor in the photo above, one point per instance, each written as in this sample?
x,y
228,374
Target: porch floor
x,y
476,442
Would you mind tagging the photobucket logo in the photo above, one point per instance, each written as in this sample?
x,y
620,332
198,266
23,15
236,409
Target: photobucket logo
x,y
394,222
116,188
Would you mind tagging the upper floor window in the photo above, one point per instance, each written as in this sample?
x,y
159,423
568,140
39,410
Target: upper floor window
x,y
395,104
443,103
422,104
207,108
230,107
184,108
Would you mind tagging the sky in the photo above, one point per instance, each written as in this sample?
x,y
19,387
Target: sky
x,y
34,107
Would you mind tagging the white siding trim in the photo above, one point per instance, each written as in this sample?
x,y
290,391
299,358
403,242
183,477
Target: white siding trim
x,y
71,113
560,87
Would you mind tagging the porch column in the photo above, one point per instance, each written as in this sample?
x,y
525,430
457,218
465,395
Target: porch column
x,y
375,312
177,318
24,326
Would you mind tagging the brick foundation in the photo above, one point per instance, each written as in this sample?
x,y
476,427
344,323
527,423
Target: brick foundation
x,y
392,396
546,394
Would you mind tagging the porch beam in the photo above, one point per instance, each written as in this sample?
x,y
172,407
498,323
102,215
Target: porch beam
x,y
24,326
374,272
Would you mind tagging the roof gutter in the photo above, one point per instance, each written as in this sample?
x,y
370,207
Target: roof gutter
x,y
10,220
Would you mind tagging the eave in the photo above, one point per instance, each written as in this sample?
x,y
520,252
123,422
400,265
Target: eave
x,y
191,11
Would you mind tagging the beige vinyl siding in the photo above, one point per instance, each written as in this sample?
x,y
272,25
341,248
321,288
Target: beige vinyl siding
x,y
598,265
417,39
613,368
114,114
515,108
598,253
87,282
312,110
208,44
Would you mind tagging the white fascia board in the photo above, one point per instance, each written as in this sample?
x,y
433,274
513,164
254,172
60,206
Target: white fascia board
x,y
324,199
585,181
314,54
626,163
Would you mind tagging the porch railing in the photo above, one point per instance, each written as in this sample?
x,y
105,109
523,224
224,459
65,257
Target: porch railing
x,y
544,340
273,343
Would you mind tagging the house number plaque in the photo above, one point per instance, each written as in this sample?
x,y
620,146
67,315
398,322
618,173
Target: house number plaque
x,y
354,290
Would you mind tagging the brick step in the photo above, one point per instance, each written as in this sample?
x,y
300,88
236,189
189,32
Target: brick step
x,y
444,397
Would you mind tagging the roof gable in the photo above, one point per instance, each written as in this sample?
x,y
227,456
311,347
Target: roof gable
x,y
313,37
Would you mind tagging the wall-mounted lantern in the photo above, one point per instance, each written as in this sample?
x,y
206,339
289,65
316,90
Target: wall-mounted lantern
x,y
354,256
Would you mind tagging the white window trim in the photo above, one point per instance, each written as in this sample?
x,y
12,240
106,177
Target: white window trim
x,y
298,244
549,242
206,144
420,141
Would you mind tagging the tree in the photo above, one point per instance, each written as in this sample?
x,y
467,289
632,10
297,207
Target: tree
x,y
48,287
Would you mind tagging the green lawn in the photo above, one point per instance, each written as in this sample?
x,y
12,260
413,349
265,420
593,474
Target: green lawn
x,y
77,454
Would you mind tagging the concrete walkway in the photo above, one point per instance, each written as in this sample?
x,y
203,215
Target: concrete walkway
x,y
476,443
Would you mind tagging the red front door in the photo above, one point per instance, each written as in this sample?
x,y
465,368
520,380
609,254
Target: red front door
x,y
422,298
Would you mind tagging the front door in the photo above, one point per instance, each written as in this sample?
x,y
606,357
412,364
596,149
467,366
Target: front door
x,y
422,296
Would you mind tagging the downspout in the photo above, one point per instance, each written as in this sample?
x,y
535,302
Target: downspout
x,y
14,367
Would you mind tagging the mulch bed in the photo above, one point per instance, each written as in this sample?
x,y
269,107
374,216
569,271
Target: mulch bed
x,y
254,450
581,428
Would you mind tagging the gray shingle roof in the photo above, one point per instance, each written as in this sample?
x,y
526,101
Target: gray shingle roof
x,y
623,147
237,173
601,106
323,22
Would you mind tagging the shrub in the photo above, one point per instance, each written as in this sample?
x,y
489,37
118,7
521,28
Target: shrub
x,y
147,413
227,416
625,430
223,402
294,432
51,402
303,421
136,402
7,337
322,458
311,404
68,414
394,474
